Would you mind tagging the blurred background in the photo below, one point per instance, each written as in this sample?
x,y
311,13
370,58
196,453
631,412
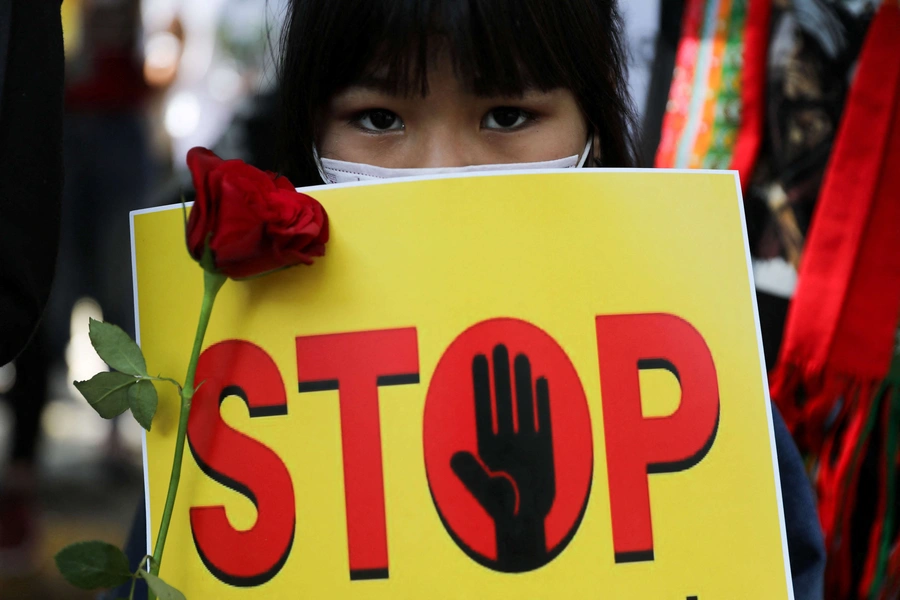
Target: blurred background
x,y
148,79
145,81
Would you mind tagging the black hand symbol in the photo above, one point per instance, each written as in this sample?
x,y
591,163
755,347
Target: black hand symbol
x,y
514,480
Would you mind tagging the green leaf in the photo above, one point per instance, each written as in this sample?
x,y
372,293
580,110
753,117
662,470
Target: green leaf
x,y
163,590
117,349
143,399
107,393
93,565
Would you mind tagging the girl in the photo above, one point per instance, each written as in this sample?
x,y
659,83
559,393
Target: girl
x,y
387,88
451,83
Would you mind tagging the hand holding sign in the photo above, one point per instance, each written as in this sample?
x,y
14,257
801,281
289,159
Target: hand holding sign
x,y
514,480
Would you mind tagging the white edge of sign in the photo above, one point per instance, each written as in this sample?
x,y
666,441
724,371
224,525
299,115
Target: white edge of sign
x,y
749,264
137,336
765,381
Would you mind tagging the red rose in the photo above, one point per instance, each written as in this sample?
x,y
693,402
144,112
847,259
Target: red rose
x,y
252,221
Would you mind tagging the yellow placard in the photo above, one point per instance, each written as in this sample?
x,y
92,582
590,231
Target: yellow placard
x,y
544,386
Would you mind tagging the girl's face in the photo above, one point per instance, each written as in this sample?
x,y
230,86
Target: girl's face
x,y
450,127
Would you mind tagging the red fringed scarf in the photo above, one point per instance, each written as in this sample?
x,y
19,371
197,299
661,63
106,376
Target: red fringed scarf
x,y
832,382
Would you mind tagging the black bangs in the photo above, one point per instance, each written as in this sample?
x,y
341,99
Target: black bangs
x,y
496,47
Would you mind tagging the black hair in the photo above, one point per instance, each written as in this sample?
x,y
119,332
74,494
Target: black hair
x,y
498,47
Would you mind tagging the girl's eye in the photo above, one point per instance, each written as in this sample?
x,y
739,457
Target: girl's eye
x,y
505,118
378,120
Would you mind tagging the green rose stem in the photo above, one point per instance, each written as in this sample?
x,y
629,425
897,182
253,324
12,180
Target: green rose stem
x,y
212,283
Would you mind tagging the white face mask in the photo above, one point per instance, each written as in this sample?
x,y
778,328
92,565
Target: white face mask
x,y
339,171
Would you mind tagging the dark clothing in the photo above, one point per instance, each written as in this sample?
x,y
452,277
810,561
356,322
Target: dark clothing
x,y
107,172
806,545
31,175
28,397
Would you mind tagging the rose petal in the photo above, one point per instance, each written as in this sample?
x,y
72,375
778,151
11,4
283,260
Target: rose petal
x,y
240,230
254,221
202,163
